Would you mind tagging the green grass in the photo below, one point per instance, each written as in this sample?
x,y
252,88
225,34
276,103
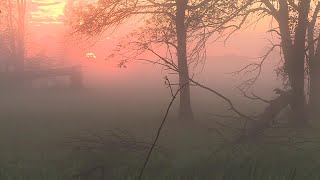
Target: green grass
x,y
35,131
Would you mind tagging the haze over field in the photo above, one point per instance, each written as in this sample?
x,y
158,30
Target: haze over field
x,y
48,34
159,89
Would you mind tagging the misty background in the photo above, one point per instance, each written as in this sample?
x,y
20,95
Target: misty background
x,y
104,126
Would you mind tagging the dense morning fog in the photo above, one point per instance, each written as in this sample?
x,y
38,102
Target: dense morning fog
x,y
159,89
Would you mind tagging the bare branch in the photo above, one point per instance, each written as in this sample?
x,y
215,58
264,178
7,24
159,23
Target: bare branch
x,y
229,102
293,5
256,66
159,130
273,10
254,97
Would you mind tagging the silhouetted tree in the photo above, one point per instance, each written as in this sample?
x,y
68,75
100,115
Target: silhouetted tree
x,y
313,61
295,19
13,31
181,26
7,31
21,6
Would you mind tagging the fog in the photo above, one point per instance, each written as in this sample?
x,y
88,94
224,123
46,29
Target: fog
x,y
68,110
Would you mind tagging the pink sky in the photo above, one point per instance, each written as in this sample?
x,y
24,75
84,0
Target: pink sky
x,y
47,30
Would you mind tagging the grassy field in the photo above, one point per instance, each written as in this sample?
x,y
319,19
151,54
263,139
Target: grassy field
x,y
54,135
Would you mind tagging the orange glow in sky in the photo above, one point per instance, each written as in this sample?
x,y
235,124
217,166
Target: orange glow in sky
x,y
46,33
91,55
47,30
47,11
47,17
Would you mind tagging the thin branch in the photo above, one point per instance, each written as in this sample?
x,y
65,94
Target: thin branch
x,y
256,66
232,107
254,97
293,5
159,131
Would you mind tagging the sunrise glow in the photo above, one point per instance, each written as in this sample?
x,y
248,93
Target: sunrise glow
x,y
91,55
159,89
47,11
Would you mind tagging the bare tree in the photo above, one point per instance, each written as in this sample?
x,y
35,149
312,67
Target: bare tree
x,y
180,28
21,20
295,21
13,31
7,29
313,61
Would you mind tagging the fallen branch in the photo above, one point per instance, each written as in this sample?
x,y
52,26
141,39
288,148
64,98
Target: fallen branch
x,y
259,126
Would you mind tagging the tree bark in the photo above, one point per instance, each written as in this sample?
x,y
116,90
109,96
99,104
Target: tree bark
x,y
294,54
314,97
298,97
185,110
314,71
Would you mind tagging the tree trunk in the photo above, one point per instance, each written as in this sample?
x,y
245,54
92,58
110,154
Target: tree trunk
x,y
21,35
294,54
266,119
314,71
298,96
314,97
20,50
11,28
185,110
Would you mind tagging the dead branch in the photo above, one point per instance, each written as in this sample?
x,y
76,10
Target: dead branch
x,y
160,128
229,102
254,67
258,127
254,97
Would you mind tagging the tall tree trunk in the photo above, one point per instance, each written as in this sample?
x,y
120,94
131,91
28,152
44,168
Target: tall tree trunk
x,y
20,51
294,54
298,68
314,97
314,72
21,4
11,28
185,110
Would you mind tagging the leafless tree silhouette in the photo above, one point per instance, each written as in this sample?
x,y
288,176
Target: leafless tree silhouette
x,y
179,28
297,31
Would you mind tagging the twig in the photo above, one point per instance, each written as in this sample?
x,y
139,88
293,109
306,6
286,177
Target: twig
x,y
232,107
294,173
159,130
225,116
254,96
252,67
